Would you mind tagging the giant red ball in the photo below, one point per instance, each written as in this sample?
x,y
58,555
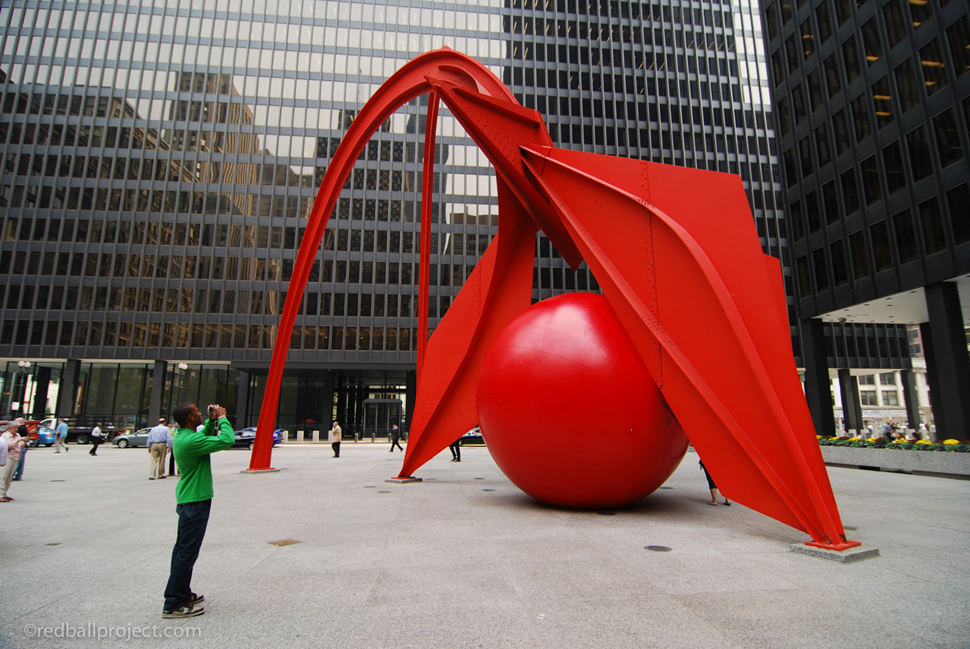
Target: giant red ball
x,y
570,413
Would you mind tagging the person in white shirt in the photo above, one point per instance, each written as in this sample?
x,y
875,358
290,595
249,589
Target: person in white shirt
x,y
159,442
96,438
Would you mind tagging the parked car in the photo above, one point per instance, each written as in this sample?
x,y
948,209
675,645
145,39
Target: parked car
x,y
43,435
474,436
138,438
246,437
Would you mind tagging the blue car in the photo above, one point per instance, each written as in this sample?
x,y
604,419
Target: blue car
x,y
45,436
246,437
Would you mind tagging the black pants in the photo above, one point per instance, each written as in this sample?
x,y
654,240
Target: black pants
x,y
396,441
95,443
456,450
336,449
193,519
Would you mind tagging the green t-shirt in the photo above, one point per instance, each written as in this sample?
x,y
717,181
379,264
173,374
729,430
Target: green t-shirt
x,y
192,450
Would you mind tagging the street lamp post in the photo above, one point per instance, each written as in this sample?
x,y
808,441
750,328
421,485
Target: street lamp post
x,y
17,407
181,377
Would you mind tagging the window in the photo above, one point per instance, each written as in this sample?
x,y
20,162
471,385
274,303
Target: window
x,y
868,397
890,398
932,65
919,153
887,378
958,200
934,240
850,192
822,144
824,24
870,37
821,274
867,379
870,180
860,118
808,37
879,233
883,101
919,12
841,128
839,270
832,78
895,23
905,237
908,85
947,138
850,54
958,37
860,260
892,160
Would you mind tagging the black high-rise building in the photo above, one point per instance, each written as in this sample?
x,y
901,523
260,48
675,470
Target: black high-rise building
x,y
872,102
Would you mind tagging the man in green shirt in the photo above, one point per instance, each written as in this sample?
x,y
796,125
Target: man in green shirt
x,y
193,496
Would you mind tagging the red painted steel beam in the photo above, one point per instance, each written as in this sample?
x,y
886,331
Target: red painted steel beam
x,y
678,258
424,266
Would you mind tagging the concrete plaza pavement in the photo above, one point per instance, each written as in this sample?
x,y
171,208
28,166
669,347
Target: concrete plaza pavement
x,y
465,559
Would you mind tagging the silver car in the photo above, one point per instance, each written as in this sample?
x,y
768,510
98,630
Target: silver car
x,y
138,438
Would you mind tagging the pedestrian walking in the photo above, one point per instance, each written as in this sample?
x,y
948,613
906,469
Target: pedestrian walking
x,y
193,495
336,434
96,438
60,438
15,444
455,447
25,433
395,438
158,442
712,487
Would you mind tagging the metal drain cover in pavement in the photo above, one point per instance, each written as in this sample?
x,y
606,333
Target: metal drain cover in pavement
x,y
51,544
666,487
657,548
57,481
488,490
284,542
369,486
479,478
383,492
850,528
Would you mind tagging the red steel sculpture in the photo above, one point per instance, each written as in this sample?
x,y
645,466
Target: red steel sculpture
x,y
677,256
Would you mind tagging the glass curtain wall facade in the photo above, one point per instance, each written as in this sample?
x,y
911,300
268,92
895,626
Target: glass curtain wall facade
x,y
872,101
159,162
681,83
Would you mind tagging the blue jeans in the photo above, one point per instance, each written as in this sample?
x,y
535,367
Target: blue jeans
x,y
19,472
193,518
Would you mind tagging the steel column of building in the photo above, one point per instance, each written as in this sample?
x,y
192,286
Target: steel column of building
x,y
159,370
42,381
67,391
932,379
851,404
242,400
947,354
411,384
818,385
326,420
911,395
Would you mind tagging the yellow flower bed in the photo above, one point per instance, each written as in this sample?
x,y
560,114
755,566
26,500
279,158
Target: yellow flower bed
x,y
924,441
873,439
951,442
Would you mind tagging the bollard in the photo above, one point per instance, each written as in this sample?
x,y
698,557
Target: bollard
x,y
373,437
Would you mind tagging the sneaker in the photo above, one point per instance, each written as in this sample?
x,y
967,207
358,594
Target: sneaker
x,y
195,599
186,611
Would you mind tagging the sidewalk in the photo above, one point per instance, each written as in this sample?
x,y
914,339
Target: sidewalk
x,y
465,559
